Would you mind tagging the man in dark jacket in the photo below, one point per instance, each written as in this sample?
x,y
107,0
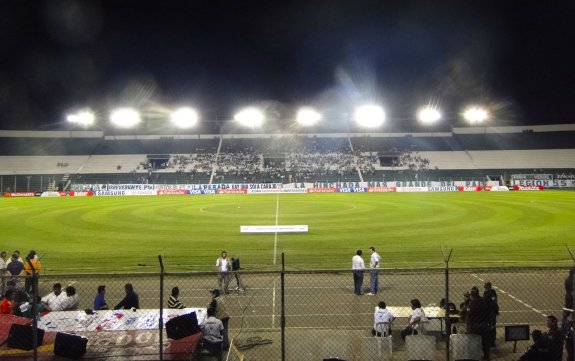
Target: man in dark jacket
x,y
131,300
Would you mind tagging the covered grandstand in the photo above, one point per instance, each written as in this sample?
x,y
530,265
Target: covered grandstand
x,y
40,160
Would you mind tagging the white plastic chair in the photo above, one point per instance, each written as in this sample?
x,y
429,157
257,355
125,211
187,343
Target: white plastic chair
x,y
383,328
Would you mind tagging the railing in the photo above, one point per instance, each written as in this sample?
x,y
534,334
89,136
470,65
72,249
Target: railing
x,y
300,315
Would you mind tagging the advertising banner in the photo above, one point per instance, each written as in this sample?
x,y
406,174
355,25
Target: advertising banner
x,y
321,190
171,192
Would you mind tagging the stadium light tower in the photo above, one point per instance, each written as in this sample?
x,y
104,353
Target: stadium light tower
x,y
184,118
84,118
369,116
428,115
250,117
125,117
307,117
475,114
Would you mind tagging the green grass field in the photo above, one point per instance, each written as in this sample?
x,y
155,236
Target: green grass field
x,y
107,234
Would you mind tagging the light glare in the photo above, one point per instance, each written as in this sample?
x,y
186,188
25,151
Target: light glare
x,y
184,118
125,118
84,118
475,114
369,116
308,117
250,117
428,115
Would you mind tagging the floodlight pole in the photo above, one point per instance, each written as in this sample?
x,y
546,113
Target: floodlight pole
x,y
161,320
446,258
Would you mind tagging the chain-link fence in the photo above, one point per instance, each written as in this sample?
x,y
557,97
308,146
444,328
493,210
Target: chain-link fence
x,y
298,315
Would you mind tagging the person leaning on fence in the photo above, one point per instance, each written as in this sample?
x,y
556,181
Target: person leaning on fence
x,y
213,332
415,321
224,267
221,313
538,351
100,299
131,300
173,301
382,320
358,267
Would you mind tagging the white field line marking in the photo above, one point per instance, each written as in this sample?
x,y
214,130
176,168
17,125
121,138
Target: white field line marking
x,y
276,232
513,297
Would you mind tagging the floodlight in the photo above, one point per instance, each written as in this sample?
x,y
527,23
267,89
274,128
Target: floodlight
x,y
250,117
125,117
369,116
84,118
308,116
475,114
184,117
428,115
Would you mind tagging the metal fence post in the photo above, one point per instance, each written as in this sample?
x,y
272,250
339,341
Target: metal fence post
x,y
446,258
283,319
161,321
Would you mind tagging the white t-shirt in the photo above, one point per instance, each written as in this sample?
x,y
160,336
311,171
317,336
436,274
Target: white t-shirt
x,y
417,313
357,263
52,301
382,315
375,261
2,264
223,264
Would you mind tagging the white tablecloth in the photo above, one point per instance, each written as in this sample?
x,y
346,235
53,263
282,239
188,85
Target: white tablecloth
x,y
112,320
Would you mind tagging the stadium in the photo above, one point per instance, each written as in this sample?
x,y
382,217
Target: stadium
x,y
492,203
299,180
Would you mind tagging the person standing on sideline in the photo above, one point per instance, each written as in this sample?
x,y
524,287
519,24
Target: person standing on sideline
x,y
224,267
358,267
374,265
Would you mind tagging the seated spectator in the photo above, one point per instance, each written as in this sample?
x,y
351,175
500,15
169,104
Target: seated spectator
x,y
131,300
52,300
173,301
538,351
415,321
99,300
70,302
213,331
15,268
6,305
380,316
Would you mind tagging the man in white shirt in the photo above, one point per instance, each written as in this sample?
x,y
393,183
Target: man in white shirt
x,y
70,302
2,271
358,267
223,265
374,265
382,320
52,300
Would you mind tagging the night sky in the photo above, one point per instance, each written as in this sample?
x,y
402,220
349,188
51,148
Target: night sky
x,y
515,57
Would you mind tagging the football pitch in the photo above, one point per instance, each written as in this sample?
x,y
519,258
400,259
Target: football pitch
x,y
409,230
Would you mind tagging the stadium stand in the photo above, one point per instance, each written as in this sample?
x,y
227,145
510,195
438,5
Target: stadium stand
x,y
66,157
